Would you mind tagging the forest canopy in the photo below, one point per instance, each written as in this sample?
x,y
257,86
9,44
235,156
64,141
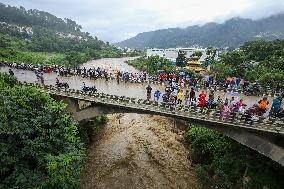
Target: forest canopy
x,y
40,143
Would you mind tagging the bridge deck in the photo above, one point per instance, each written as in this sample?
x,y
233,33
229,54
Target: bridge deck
x,y
269,125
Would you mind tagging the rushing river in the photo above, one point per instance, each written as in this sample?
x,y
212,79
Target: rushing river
x,y
111,64
138,151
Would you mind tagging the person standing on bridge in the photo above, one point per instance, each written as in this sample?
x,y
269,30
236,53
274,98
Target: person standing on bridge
x,y
219,103
263,105
226,112
57,82
211,99
41,78
276,106
11,72
105,75
180,97
191,95
202,100
157,95
186,97
149,91
117,77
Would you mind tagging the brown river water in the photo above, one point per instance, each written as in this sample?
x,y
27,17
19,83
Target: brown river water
x,y
138,151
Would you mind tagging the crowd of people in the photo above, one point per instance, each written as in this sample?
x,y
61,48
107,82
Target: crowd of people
x,y
176,95
91,73
179,91
182,78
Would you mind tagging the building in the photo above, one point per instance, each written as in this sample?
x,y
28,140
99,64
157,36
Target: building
x,y
172,53
195,64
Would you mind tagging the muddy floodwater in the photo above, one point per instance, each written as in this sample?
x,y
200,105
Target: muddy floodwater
x,y
138,151
111,64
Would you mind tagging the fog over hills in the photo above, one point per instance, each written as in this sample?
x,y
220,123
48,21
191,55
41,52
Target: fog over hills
x,y
231,33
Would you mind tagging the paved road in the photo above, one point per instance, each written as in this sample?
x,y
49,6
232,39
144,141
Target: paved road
x,y
133,90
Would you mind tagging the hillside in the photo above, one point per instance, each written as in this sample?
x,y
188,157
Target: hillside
x,y
232,33
35,31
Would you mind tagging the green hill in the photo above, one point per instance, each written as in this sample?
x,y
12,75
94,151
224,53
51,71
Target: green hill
x,y
232,33
39,31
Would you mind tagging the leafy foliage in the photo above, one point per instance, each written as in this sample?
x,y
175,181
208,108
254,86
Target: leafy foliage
x,y
223,163
152,64
33,57
255,60
181,60
38,31
88,130
35,17
40,147
221,70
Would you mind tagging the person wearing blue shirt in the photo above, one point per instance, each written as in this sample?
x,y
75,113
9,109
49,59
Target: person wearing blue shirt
x,y
157,95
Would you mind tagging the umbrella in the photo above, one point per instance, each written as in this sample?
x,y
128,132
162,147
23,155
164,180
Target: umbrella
x,y
181,73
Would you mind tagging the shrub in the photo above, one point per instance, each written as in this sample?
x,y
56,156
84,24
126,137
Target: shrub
x,y
40,147
223,163
88,130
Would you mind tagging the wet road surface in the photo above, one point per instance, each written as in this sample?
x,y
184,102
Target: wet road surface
x,y
133,90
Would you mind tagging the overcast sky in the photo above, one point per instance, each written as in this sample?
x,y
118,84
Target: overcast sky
x,y
116,20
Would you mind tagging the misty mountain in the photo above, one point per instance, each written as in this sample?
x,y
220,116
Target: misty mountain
x,y
232,33
39,31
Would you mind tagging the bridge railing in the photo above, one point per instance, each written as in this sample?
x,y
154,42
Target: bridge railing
x,y
180,111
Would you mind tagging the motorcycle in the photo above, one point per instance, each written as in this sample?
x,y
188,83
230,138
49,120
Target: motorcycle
x,y
64,85
90,89
277,113
211,104
252,91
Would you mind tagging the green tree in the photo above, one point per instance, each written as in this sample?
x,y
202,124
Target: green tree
x,y
234,58
39,143
223,163
221,70
181,59
197,53
152,64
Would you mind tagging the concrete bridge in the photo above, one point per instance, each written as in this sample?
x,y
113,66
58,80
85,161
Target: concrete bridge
x,y
266,136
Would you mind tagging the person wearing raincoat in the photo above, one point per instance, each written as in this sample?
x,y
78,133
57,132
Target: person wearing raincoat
x,y
202,100
157,95
226,112
180,96
276,105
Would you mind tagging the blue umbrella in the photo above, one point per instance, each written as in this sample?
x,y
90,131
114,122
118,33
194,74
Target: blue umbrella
x,y
181,73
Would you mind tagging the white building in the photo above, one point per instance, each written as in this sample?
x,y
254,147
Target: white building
x,y
172,53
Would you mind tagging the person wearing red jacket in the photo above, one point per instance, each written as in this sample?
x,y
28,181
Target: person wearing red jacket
x,y
202,100
164,77
161,77
173,75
